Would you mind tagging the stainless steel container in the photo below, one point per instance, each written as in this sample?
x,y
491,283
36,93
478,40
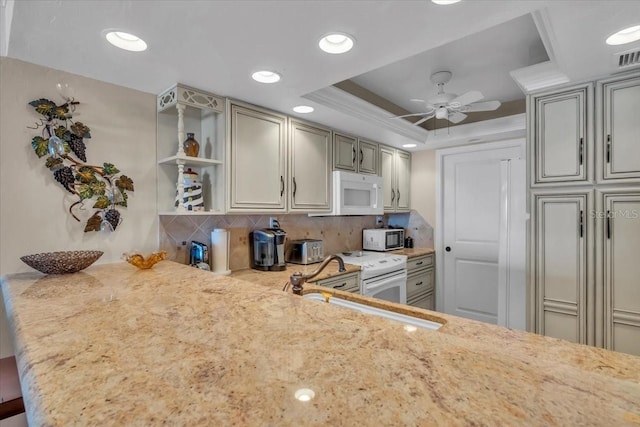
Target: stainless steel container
x,y
305,251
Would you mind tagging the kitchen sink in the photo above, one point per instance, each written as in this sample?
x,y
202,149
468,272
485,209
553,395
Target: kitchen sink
x,y
408,321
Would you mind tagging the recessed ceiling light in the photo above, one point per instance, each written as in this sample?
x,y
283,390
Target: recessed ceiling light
x,y
627,35
445,2
126,41
409,145
265,76
336,43
304,394
303,109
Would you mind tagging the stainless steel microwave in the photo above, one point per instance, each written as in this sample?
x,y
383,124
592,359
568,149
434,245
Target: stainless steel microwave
x,y
382,239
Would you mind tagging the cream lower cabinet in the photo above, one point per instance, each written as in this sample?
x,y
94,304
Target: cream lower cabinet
x,y
257,159
560,265
310,149
421,282
395,169
349,282
621,270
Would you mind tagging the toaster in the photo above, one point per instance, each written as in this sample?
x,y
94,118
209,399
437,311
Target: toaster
x,y
304,251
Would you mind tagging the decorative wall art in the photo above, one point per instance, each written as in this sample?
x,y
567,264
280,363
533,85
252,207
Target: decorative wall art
x,y
63,142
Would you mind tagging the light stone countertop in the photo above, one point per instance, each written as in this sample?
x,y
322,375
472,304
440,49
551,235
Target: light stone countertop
x,y
114,345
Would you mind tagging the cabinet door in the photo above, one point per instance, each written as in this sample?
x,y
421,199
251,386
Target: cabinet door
x,y
310,163
560,263
426,301
344,152
403,178
368,157
560,137
621,129
345,282
387,170
258,162
419,282
622,272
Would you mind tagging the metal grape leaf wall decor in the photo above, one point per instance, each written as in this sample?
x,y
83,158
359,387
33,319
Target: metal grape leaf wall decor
x,y
63,141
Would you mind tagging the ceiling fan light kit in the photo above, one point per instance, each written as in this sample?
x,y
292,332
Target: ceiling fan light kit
x,y
450,106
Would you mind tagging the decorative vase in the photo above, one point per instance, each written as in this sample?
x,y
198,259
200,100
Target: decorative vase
x,y
192,200
191,146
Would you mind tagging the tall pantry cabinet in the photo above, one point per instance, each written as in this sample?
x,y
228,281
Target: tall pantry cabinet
x,y
584,169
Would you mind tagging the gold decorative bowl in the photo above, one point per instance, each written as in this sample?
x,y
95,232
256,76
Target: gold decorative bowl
x,y
61,262
143,262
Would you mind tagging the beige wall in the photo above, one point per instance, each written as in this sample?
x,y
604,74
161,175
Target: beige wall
x,y
33,206
423,185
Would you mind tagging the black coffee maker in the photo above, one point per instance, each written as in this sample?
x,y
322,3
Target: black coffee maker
x,y
268,249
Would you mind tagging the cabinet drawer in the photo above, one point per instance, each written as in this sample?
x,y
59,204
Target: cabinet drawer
x,y
424,301
419,283
417,263
345,282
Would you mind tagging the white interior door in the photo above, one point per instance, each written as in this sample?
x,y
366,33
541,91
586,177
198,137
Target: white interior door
x,y
473,202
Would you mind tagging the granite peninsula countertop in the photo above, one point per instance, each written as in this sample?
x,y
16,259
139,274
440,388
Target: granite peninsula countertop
x,y
114,345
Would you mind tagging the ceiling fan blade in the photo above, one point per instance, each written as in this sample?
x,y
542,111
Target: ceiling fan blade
x,y
419,122
482,106
417,100
467,98
409,115
456,117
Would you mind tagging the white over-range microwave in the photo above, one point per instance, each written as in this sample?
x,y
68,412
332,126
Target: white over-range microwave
x,y
355,194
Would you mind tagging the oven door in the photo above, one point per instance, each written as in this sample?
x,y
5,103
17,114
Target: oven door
x,y
389,287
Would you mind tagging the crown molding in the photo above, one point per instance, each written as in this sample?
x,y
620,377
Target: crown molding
x,y
344,102
477,132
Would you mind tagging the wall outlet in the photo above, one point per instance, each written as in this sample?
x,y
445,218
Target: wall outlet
x,y
273,222
379,220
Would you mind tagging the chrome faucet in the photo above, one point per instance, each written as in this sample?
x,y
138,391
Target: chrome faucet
x,y
298,279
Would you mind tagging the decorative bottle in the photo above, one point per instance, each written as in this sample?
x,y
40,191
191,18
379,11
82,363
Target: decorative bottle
x,y
191,146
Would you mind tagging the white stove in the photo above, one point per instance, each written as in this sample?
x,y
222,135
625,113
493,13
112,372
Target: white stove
x,y
375,263
383,275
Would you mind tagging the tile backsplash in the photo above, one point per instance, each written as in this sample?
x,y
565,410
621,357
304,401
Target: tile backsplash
x,y
339,233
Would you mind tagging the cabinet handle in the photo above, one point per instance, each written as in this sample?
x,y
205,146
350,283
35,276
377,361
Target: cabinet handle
x,y
398,200
393,195
353,160
581,150
608,224
581,223
295,187
361,157
281,185
340,286
419,283
608,148
419,263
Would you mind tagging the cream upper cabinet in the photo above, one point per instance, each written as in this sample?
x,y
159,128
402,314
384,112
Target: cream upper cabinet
x,y
310,150
560,149
354,155
621,236
344,152
387,171
257,158
368,157
560,265
395,169
403,173
619,129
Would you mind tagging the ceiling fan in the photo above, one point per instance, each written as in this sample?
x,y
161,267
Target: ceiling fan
x,y
450,106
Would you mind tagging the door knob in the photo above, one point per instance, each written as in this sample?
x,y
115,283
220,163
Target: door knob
x,y
448,249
